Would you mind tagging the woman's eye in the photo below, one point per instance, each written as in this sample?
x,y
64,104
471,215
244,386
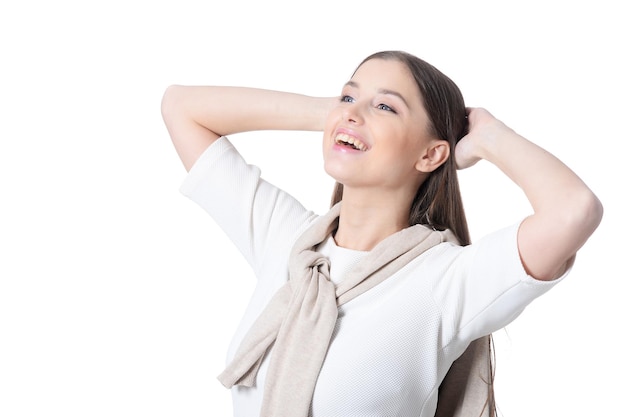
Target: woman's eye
x,y
347,99
385,107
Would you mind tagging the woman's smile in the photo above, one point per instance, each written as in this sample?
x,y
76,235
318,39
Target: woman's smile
x,y
343,140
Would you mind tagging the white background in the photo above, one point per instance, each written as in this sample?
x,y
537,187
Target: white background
x,y
118,295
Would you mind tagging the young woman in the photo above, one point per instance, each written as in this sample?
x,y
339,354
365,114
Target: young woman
x,y
362,311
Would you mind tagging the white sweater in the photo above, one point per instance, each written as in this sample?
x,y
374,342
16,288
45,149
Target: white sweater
x,y
392,345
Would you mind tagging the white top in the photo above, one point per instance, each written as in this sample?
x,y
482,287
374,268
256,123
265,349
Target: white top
x,y
392,345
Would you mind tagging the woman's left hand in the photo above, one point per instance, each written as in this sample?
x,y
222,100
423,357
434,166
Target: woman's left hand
x,y
484,130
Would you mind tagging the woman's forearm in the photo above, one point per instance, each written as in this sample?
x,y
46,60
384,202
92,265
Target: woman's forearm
x,y
228,110
198,115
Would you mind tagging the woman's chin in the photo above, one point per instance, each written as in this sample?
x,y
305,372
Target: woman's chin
x,y
337,173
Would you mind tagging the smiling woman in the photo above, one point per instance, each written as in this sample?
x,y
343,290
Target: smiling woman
x,y
382,305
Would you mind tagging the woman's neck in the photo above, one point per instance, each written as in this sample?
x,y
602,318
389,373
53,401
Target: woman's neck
x,y
363,223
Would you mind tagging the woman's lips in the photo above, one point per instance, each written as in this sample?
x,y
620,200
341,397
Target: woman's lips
x,y
344,139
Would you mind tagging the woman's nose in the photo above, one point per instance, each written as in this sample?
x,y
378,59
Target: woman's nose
x,y
353,113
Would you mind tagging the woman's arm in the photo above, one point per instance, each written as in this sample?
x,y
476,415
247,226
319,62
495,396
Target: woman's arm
x,y
566,212
196,116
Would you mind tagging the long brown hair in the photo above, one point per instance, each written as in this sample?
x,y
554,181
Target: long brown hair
x,y
437,202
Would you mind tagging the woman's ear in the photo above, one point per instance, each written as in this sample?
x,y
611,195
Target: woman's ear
x,y
437,152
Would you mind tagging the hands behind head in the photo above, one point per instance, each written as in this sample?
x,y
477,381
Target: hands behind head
x,y
484,132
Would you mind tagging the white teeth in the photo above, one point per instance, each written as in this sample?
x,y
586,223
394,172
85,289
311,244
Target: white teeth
x,y
344,138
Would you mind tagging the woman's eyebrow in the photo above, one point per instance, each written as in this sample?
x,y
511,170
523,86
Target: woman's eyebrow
x,y
380,91
394,93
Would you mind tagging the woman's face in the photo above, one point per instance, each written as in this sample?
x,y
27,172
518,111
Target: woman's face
x,y
377,133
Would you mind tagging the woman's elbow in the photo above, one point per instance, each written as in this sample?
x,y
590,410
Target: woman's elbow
x,y
170,101
588,214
